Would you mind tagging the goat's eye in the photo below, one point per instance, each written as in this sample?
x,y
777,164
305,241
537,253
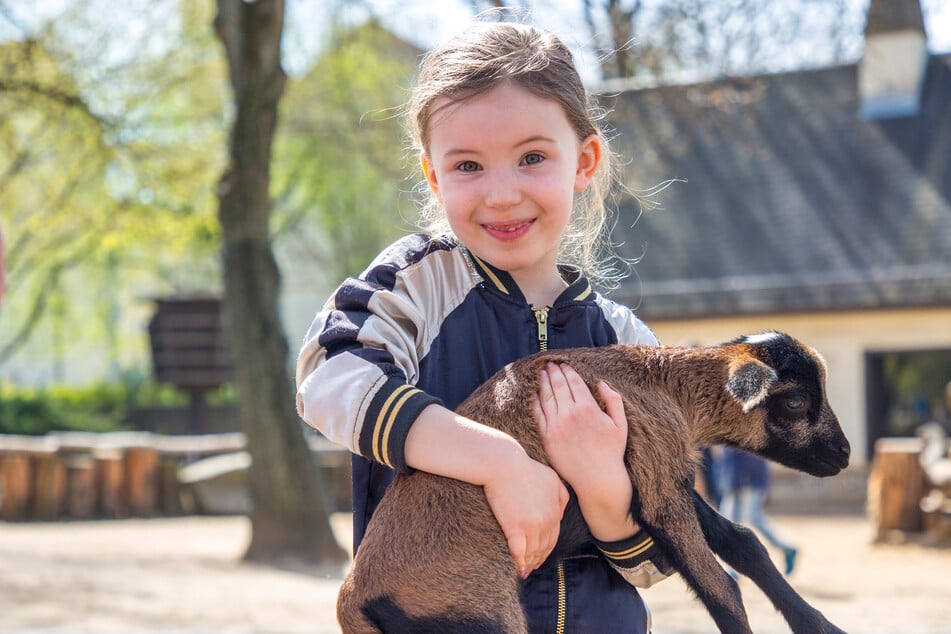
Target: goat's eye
x,y
796,403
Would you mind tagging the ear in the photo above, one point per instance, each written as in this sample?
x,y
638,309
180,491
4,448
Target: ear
x,y
430,172
749,383
589,158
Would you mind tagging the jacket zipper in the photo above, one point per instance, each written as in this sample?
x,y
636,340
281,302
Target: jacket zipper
x,y
541,317
562,598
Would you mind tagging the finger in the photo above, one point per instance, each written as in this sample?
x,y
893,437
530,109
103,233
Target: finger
x,y
549,546
546,395
563,498
517,548
613,404
534,545
540,419
552,537
559,384
579,389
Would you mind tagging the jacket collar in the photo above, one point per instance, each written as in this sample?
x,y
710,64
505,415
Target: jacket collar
x,y
579,289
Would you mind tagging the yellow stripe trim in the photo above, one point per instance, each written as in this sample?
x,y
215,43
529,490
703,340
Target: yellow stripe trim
x,y
492,276
379,426
389,424
587,291
633,551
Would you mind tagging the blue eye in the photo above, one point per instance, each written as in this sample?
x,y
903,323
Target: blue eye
x,y
468,166
533,159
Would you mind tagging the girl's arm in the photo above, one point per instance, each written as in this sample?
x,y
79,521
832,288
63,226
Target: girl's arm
x,y
527,497
355,383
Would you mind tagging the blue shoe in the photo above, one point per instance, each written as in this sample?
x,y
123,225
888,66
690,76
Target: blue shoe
x,y
790,560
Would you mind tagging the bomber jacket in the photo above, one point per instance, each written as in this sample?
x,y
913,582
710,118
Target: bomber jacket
x,y
427,322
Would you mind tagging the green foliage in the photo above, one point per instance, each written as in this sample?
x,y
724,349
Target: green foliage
x,y
108,155
59,408
915,382
37,413
101,407
340,179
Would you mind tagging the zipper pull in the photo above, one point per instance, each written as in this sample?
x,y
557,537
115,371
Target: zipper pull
x,y
541,316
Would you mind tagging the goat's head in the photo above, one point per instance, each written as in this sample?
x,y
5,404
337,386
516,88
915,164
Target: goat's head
x,y
780,385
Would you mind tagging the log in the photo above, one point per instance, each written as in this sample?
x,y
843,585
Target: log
x,y
50,485
18,473
109,482
81,491
75,448
16,486
141,471
896,486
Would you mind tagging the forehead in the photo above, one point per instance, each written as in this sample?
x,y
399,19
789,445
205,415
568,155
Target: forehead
x,y
507,111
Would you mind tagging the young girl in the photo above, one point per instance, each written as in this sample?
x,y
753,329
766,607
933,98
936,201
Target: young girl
x,y
517,171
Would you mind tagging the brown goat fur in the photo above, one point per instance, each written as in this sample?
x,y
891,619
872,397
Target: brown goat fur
x,y
434,559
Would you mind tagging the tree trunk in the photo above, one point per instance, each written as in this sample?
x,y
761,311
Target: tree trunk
x,y
290,520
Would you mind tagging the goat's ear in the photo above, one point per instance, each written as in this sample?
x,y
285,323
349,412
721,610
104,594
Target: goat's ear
x,y
749,383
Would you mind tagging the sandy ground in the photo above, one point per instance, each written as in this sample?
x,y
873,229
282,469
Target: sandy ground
x,y
185,576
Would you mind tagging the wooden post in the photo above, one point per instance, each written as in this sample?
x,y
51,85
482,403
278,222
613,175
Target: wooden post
x,y
896,486
81,491
109,481
28,477
50,485
142,480
75,449
16,485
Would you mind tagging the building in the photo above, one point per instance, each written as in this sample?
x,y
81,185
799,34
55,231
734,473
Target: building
x,y
815,202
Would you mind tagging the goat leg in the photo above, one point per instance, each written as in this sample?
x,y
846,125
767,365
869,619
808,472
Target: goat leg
x,y
739,547
675,527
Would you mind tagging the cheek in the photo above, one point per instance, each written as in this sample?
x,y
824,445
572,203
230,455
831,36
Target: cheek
x,y
458,212
558,194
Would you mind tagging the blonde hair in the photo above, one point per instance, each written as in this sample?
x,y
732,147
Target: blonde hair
x,y
481,58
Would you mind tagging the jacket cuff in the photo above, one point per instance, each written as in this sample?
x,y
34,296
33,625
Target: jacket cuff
x,y
394,408
630,552
637,559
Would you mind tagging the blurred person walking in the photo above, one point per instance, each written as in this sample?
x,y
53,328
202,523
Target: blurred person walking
x,y
746,482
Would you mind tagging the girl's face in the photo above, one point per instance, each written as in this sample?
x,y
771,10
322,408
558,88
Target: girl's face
x,y
506,165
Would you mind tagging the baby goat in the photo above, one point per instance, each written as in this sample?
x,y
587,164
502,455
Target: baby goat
x,y
434,559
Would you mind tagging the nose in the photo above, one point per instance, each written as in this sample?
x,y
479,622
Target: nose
x,y
845,449
502,190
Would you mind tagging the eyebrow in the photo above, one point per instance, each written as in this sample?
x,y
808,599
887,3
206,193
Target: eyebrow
x,y
533,139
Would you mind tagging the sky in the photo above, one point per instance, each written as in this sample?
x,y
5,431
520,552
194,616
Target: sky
x,y
423,22
426,22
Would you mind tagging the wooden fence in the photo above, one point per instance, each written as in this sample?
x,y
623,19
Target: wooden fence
x,y
79,475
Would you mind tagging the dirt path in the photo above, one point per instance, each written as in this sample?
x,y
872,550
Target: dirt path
x,y
184,576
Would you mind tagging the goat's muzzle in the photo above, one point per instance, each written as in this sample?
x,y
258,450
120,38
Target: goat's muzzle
x,y
832,459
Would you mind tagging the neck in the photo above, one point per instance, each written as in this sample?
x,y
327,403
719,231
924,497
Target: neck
x,y
694,379
541,288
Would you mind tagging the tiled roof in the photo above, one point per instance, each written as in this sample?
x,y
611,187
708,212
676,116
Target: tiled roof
x,y
792,202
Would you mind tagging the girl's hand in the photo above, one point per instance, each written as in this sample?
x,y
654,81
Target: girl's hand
x,y
528,500
586,446
526,497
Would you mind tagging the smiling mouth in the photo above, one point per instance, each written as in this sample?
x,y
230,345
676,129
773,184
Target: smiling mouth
x,y
508,227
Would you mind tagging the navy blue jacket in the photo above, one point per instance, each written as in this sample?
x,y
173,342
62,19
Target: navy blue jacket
x,y
426,323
